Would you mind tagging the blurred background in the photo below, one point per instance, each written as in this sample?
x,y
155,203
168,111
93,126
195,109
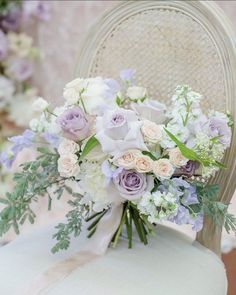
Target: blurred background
x,y
58,33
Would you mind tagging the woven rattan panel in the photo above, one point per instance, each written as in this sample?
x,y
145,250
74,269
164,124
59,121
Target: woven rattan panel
x,y
166,47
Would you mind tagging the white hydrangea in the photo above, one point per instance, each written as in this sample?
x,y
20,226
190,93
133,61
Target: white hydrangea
x,y
158,206
93,183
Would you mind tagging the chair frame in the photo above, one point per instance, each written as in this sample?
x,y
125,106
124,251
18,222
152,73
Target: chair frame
x,y
223,36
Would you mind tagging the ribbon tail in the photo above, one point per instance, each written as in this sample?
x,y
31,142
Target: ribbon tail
x,y
95,247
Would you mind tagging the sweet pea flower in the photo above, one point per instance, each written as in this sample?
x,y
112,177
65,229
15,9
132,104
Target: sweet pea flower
x,y
119,130
151,110
74,124
218,127
136,93
127,75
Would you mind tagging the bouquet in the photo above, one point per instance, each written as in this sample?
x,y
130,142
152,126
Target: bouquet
x,y
112,146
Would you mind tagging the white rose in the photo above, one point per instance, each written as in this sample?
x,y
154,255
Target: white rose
x,y
143,164
151,110
40,105
136,92
68,165
151,131
126,159
68,147
176,158
163,168
73,90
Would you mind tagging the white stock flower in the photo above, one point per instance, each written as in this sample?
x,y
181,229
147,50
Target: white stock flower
x,y
151,131
119,130
40,105
151,110
158,206
68,165
73,90
143,164
182,133
163,168
6,91
21,44
176,158
126,159
136,92
67,146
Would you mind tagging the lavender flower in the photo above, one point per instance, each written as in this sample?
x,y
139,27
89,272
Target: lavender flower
x,y
218,127
37,8
131,184
11,21
20,69
20,142
197,222
127,75
74,124
3,45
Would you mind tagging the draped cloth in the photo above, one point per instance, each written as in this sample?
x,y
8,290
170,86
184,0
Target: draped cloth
x,y
95,247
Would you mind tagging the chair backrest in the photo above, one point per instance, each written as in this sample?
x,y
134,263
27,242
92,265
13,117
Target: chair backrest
x,y
169,43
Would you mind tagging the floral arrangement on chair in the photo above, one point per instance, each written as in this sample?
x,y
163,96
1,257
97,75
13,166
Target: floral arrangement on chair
x,y
112,146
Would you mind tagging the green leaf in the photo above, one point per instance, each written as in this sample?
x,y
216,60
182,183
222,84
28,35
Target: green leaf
x,y
150,155
190,154
91,144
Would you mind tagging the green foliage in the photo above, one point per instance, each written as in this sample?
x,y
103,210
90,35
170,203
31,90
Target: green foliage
x,y
91,144
216,210
31,183
190,154
72,226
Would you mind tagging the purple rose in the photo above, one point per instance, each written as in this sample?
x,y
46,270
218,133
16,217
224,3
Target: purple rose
x,y
20,69
131,184
190,168
74,124
3,45
218,127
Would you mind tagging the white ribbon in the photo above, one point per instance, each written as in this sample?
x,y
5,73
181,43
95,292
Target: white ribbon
x,y
95,247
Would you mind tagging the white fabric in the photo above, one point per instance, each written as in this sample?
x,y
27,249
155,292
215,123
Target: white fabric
x,y
172,264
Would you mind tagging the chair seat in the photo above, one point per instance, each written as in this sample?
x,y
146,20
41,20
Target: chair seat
x,y
171,264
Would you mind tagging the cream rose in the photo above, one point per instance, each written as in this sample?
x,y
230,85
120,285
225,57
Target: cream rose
x,y
143,164
136,92
68,165
163,168
127,159
176,158
68,146
151,131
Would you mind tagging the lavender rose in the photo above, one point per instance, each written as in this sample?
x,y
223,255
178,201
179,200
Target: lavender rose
x,y
74,124
20,69
11,21
219,127
131,184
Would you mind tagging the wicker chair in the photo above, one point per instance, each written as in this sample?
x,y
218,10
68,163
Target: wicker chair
x,y
168,43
